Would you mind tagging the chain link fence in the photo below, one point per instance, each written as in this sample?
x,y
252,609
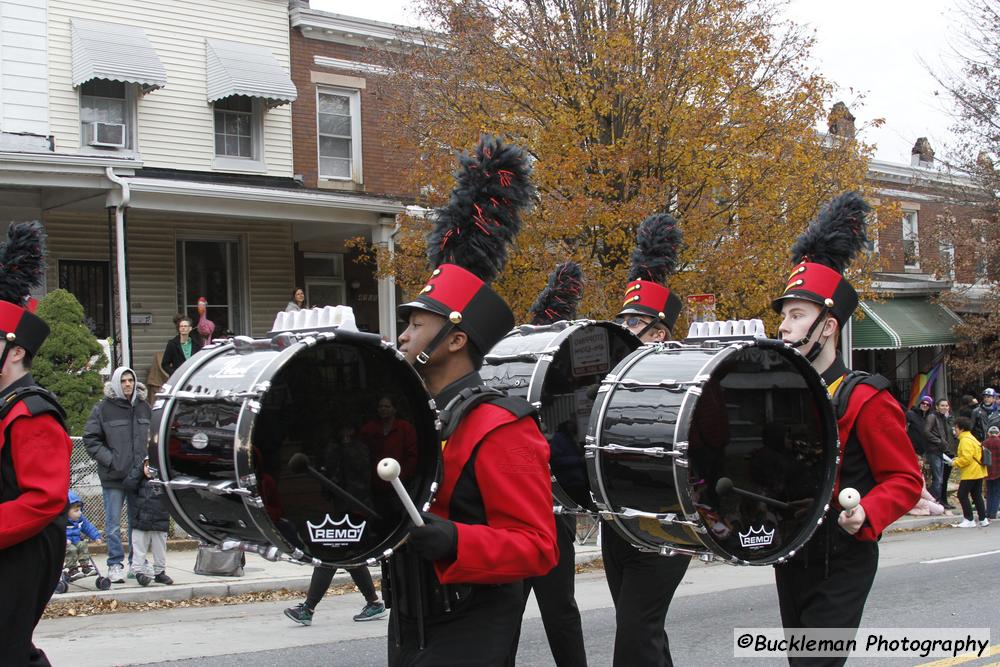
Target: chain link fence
x,y
84,480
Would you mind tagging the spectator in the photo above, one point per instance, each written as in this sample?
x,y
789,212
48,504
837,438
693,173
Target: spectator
x,y
387,435
986,415
966,405
992,443
180,348
206,327
298,301
78,531
322,577
116,434
969,461
916,420
940,443
149,521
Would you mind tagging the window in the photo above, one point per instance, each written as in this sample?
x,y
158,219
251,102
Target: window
x,y
911,245
234,127
106,110
982,250
212,269
324,278
947,251
338,122
90,283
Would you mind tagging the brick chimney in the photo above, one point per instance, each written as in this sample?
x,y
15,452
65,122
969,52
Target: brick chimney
x,y
841,122
922,155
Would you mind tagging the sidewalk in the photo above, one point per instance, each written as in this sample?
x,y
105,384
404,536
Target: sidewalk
x,y
261,575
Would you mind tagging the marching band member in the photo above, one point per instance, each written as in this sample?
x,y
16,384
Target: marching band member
x,y
555,591
34,456
827,583
456,586
643,584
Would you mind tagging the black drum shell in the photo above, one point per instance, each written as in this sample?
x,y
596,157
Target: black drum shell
x,y
551,366
236,414
653,399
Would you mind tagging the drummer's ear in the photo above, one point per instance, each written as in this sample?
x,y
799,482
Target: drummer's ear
x,y
457,340
831,327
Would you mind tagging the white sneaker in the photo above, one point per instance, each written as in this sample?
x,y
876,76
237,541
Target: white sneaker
x,y
984,523
116,574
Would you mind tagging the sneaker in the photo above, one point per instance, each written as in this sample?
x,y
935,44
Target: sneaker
x,y
87,569
966,523
300,613
116,574
73,573
371,612
142,578
984,523
163,578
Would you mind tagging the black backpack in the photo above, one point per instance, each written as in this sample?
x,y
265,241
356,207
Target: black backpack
x,y
986,456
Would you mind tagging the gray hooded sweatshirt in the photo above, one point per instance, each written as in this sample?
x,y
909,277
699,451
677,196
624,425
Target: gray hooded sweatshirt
x,y
117,431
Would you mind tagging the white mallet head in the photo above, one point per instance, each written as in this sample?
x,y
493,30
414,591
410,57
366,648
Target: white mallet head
x,y
388,469
849,498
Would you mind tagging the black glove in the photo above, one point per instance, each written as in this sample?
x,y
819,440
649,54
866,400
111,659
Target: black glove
x,y
437,539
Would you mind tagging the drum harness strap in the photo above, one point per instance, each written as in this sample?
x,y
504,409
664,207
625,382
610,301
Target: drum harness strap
x,y
841,399
37,400
450,417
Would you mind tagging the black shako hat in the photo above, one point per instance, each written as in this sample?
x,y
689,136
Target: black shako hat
x,y
468,245
657,244
559,298
823,252
22,266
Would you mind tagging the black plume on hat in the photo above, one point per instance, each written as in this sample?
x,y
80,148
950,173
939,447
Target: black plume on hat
x,y
658,241
837,234
483,215
558,300
22,261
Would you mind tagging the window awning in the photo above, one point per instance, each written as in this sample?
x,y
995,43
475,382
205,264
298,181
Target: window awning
x,y
235,68
903,323
115,52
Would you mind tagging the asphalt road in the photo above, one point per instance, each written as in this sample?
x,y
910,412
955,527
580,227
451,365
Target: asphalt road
x,y
946,578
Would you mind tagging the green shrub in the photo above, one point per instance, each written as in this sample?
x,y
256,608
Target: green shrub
x,y
63,364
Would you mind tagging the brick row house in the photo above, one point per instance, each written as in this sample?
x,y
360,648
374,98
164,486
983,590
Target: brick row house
x,y
155,142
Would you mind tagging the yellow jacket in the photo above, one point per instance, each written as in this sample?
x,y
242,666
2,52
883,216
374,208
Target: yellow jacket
x,y
970,453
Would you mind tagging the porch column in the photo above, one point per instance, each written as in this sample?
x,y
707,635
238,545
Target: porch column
x,y
382,235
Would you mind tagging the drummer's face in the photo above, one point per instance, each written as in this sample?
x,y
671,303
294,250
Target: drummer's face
x,y
797,315
422,328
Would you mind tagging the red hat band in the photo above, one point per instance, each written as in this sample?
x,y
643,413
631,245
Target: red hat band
x,y
822,285
645,297
21,327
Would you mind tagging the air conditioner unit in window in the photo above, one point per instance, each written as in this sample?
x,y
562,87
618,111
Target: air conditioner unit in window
x,y
110,135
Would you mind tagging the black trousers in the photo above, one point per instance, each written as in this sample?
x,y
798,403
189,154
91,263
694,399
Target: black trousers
x,y
555,594
827,592
480,631
29,572
972,488
642,586
322,577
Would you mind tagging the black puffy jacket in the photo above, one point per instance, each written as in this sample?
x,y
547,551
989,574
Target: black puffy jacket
x,y
147,508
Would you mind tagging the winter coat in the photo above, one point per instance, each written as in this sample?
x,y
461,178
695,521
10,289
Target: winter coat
x,y
75,530
940,437
147,508
292,307
970,456
983,418
117,432
173,355
916,420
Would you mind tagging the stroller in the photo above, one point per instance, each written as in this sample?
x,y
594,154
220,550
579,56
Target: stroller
x,y
76,573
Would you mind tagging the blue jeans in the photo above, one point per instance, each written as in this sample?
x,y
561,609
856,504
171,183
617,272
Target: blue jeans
x,y
936,463
992,497
114,502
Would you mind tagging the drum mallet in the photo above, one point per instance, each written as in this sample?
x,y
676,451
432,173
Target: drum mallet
x,y
388,470
725,486
849,499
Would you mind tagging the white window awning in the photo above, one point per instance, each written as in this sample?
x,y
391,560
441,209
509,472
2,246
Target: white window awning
x,y
115,52
235,68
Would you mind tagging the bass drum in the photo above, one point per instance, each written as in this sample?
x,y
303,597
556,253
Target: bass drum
x,y
261,443
726,452
558,368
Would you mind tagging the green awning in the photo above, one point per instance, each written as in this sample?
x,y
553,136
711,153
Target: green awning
x,y
903,323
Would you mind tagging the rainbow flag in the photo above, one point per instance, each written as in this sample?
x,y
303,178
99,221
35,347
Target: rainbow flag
x,y
922,385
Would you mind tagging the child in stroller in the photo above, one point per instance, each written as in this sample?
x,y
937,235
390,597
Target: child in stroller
x,y
78,563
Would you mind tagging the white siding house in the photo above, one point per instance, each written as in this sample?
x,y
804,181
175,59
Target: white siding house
x,y
23,77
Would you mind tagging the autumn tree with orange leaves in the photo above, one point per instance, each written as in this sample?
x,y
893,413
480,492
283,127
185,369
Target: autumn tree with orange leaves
x,y
707,110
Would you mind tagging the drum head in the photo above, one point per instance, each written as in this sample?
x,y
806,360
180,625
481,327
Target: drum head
x,y
739,443
558,368
305,453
